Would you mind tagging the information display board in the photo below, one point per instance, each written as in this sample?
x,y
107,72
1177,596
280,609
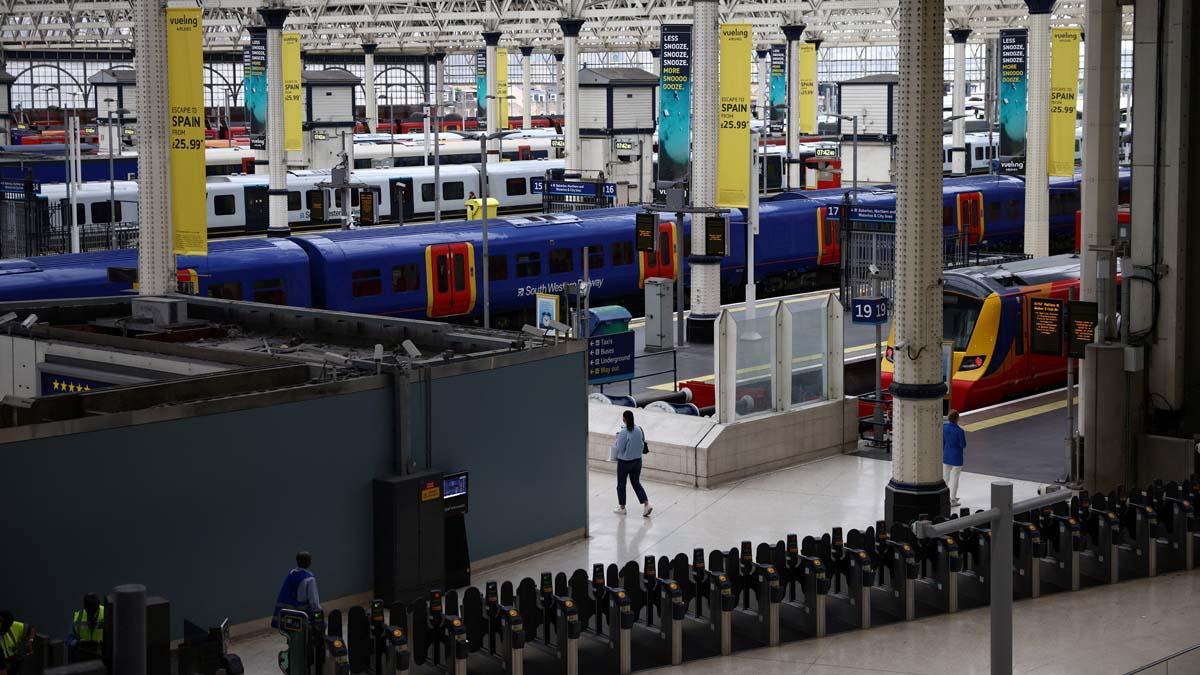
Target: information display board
x,y
610,358
1046,326
716,236
644,237
1081,327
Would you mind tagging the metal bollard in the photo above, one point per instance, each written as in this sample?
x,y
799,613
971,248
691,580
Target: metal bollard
x,y
129,630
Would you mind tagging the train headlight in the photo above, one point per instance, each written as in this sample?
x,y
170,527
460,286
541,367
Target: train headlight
x,y
971,363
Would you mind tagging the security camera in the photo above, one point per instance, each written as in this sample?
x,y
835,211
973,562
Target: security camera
x,y
8,318
533,330
338,359
410,349
560,327
29,321
873,268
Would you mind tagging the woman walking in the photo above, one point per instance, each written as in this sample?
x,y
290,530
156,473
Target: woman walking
x,y
627,451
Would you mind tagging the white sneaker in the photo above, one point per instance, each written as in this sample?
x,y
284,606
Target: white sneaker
x,y
620,510
954,502
646,509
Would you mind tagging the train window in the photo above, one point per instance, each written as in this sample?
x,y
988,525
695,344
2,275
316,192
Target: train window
x,y
269,291
959,314
80,214
230,290
529,264
337,198
442,274
365,283
427,194
979,153
460,272
664,249
224,205
561,261
100,212
405,278
316,196
948,219
622,253
294,201
1013,207
515,187
452,190
498,267
595,256
993,211
1123,195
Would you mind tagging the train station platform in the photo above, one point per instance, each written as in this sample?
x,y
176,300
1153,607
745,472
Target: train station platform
x,y
1108,629
1023,439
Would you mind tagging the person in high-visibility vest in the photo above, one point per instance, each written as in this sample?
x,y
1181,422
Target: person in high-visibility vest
x,y
299,589
87,630
15,642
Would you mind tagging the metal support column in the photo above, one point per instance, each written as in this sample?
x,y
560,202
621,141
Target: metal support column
x,y
958,150
156,257
656,61
491,38
763,97
1037,132
570,29
371,104
795,171
917,390
274,17
1102,71
439,95
705,271
526,87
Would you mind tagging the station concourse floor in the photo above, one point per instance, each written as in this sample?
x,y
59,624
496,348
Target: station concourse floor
x,y
1097,630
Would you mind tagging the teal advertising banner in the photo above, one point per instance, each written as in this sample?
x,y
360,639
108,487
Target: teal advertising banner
x,y
254,85
778,87
481,81
1014,83
675,106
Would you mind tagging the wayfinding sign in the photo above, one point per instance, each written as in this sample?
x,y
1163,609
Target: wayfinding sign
x,y
610,358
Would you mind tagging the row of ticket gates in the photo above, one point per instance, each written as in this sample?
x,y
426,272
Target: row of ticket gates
x,y
671,610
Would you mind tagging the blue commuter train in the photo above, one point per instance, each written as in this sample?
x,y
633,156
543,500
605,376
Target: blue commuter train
x,y
430,271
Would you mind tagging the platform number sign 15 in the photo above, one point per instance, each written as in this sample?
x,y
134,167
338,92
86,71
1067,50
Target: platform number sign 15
x,y
869,310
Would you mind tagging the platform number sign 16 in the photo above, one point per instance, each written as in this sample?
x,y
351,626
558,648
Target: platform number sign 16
x,y
869,310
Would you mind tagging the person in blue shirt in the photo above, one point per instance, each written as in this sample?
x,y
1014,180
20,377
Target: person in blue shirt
x,y
627,452
299,589
954,441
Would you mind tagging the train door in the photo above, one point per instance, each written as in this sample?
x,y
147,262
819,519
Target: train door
x,y
970,217
402,194
829,248
316,205
661,263
450,279
257,217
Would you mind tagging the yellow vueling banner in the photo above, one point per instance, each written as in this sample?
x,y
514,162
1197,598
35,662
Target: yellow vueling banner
x,y
185,102
1064,88
733,117
502,88
293,98
807,89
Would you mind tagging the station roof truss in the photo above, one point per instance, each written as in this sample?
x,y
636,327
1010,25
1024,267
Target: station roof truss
x,y
425,26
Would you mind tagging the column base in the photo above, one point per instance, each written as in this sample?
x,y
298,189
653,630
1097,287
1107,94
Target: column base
x,y
905,502
700,329
279,232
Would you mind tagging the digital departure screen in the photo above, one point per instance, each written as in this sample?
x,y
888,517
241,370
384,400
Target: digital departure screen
x,y
1081,327
644,226
454,485
716,231
1045,326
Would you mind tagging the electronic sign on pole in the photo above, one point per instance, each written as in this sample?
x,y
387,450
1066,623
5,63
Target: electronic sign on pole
x,y
1046,326
716,236
1081,327
644,226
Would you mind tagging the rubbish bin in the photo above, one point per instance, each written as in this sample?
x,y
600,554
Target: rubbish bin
x,y
607,320
475,208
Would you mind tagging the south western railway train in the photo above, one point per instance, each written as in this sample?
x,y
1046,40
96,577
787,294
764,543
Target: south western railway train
x,y
432,271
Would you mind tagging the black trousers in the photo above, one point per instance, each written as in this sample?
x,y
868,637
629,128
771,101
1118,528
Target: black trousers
x,y
631,469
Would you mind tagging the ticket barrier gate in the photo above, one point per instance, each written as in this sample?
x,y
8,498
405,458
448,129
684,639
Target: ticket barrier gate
x,y
939,562
894,595
1137,545
437,637
1098,561
657,637
756,586
975,549
1028,549
851,574
1063,534
1177,526
606,620
550,620
804,584
495,631
708,600
309,651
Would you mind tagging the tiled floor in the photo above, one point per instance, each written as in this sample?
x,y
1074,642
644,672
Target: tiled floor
x,y
1099,630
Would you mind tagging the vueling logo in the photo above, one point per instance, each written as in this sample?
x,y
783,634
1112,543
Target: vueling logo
x,y
737,32
189,21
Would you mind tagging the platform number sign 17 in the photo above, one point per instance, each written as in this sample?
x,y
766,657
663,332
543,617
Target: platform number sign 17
x,y
869,310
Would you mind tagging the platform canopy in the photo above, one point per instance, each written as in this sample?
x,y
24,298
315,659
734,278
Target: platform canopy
x,y
422,26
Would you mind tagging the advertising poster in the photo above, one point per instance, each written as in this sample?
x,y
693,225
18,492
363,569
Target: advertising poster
x,y
733,117
778,87
502,88
481,81
1013,91
293,96
185,101
675,105
1064,89
254,82
807,89
547,310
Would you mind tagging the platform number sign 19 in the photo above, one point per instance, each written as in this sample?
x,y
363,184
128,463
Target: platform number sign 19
x,y
869,310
